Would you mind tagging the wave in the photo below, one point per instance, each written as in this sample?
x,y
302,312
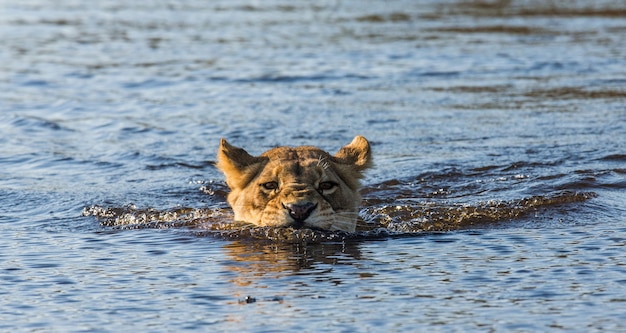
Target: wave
x,y
378,221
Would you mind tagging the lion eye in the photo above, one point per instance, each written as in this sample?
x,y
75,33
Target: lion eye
x,y
270,186
325,186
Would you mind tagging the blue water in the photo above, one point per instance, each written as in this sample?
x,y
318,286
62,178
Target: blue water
x,y
496,203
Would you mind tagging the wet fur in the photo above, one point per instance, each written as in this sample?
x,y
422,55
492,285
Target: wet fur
x,y
300,174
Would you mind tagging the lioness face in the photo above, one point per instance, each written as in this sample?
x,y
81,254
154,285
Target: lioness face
x,y
296,187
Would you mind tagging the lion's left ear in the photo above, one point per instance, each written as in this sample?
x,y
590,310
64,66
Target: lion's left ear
x,y
358,153
238,166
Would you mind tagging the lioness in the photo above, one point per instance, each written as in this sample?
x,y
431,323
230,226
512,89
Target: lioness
x,y
296,187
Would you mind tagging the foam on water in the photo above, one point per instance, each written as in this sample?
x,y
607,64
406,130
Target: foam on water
x,y
375,222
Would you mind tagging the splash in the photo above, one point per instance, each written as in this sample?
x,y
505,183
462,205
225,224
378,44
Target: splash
x,y
431,216
375,222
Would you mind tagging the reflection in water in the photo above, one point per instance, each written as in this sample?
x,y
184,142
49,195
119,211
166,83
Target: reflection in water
x,y
252,261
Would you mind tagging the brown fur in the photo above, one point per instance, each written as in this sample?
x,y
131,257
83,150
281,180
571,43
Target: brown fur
x,y
271,189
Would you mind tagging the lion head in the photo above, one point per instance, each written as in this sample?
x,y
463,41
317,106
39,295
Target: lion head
x,y
296,187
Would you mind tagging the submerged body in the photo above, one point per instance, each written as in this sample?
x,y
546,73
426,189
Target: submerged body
x,y
296,187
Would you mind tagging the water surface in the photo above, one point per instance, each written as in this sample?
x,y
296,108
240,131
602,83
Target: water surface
x,y
496,204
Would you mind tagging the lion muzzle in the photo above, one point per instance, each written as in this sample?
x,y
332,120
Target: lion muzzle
x,y
300,211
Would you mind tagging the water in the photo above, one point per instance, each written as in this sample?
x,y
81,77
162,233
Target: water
x,y
497,201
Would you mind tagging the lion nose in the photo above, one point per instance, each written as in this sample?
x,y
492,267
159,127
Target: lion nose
x,y
300,211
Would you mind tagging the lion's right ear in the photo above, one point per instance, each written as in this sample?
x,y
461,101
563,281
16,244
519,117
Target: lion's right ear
x,y
238,166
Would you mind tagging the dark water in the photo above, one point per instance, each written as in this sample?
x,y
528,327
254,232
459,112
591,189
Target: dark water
x,y
497,202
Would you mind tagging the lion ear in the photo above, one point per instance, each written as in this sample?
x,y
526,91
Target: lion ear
x,y
238,166
358,153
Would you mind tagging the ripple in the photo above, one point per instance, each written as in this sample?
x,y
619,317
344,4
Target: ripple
x,y
497,203
376,222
